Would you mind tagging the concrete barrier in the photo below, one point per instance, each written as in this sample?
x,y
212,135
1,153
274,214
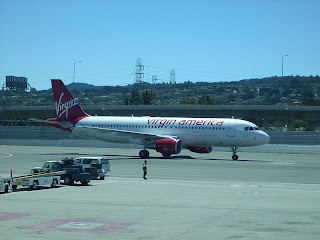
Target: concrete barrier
x,y
31,135
238,111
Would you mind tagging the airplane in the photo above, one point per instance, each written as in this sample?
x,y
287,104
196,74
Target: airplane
x,y
166,135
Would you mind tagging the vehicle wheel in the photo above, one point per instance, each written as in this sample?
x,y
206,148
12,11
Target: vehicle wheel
x,y
101,178
144,153
54,183
166,155
14,187
85,181
35,185
68,180
235,157
6,190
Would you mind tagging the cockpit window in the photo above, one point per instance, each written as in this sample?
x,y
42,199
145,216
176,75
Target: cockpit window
x,y
251,128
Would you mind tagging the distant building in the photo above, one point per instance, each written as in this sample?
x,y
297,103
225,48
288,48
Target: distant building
x,y
16,84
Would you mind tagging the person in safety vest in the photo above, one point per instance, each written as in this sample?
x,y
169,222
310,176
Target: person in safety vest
x,y
145,169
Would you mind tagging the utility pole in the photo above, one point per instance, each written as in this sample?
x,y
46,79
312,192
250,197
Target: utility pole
x,y
282,62
282,75
74,73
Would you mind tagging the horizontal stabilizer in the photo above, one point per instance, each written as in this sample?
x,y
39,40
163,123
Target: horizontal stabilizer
x,y
63,124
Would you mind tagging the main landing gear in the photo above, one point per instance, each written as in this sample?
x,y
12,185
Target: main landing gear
x,y
166,155
144,153
234,152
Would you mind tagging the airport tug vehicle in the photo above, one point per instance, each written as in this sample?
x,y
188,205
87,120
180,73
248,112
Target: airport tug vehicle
x,y
35,180
70,172
4,185
51,173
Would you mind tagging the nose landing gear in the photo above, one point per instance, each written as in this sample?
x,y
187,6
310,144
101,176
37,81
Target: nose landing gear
x,y
234,152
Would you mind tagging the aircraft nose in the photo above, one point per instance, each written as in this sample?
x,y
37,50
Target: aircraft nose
x,y
263,138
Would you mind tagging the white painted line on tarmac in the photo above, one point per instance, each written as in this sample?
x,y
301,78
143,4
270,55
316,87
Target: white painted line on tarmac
x,y
7,155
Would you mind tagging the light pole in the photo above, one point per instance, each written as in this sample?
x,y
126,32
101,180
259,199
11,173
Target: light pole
x,y
282,75
282,62
74,72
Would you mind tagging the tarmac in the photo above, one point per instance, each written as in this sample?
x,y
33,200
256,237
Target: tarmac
x,y
266,195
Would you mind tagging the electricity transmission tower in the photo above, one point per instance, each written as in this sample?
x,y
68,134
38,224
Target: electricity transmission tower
x,y
172,76
139,72
154,79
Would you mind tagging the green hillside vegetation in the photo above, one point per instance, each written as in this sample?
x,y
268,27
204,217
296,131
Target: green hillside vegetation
x,y
290,90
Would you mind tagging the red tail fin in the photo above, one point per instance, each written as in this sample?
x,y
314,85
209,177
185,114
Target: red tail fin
x,y
67,106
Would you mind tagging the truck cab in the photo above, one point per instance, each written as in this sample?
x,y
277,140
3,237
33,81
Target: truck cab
x,y
87,162
49,166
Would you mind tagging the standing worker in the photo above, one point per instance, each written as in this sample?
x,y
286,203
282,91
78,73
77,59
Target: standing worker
x,y
145,169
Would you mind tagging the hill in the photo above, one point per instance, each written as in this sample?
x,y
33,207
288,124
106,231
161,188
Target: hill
x,y
298,90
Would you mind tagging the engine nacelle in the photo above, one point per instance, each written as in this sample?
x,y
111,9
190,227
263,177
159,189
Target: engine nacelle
x,y
168,146
200,149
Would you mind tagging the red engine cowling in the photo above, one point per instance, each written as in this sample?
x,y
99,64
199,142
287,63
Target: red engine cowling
x,y
168,146
200,149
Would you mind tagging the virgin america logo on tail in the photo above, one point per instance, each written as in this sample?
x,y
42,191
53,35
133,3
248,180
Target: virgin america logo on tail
x,y
62,108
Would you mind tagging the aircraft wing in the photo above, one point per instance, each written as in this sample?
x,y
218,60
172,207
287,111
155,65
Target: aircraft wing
x,y
144,137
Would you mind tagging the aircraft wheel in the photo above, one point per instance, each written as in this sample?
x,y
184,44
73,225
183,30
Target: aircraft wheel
x,y
166,155
144,153
235,157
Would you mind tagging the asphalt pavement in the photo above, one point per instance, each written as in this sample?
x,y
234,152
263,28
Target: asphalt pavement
x,y
266,195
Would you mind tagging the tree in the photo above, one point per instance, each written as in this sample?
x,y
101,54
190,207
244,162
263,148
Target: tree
x,y
189,101
207,100
311,102
231,98
147,97
135,97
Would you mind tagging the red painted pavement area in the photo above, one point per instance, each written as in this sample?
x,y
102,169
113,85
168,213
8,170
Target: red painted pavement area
x,y
11,215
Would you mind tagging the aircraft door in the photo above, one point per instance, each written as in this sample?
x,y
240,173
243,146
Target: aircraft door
x,y
231,130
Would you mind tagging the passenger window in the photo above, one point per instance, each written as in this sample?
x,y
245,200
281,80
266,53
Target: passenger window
x,y
86,161
246,128
104,161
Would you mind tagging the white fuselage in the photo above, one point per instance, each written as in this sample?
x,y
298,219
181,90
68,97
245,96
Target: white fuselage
x,y
191,131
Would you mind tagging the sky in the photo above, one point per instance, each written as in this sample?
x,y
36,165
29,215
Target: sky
x,y
202,40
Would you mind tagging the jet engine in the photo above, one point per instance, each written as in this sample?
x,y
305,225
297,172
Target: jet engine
x,y
200,149
168,146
